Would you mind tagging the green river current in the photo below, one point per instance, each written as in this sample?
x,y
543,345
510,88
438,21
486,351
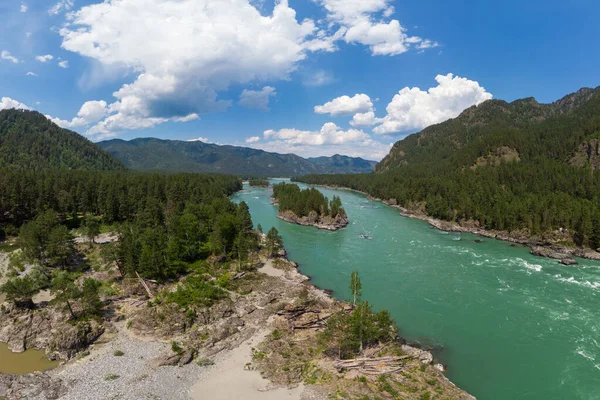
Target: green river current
x,y
507,324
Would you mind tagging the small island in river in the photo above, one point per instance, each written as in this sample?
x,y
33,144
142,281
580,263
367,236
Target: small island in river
x,y
257,182
309,207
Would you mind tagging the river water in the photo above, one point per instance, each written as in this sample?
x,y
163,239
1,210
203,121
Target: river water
x,y
508,325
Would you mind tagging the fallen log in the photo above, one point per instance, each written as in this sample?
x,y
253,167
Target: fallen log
x,y
373,366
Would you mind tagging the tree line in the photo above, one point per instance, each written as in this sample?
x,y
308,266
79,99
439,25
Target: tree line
x,y
302,202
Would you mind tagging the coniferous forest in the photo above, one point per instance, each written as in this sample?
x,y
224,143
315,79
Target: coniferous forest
x,y
504,166
303,202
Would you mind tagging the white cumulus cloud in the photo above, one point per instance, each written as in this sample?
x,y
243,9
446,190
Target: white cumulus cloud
x,y
258,99
31,74
63,64
413,108
44,58
23,8
346,105
199,47
5,55
7,103
365,119
89,113
360,23
253,139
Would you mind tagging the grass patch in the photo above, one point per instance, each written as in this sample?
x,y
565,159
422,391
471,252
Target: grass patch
x,y
118,353
111,377
205,362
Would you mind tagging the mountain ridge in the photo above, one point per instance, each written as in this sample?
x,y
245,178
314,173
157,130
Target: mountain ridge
x,y
152,154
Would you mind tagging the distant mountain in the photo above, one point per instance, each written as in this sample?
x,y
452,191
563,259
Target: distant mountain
x,y
29,140
337,163
149,154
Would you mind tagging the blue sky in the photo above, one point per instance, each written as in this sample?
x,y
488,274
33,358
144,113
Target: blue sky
x,y
313,77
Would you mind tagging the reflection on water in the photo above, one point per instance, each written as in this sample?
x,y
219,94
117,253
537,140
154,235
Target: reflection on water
x,y
24,363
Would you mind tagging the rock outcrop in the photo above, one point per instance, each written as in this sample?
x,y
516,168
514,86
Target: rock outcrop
x,y
45,329
320,222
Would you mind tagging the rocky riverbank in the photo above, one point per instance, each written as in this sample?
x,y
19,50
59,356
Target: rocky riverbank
x,y
267,327
540,245
320,222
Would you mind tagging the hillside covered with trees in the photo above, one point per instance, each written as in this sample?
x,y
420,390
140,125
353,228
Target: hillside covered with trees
x,y
149,154
502,166
29,140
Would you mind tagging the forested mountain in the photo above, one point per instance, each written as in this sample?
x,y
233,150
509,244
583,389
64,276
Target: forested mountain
x,y
337,163
505,166
147,154
29,140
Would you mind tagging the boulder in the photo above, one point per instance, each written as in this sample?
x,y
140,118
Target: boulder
x,y
186,358
167,359
568,261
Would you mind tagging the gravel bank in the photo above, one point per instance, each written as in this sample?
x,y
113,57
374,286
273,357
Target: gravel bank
x,y
137,379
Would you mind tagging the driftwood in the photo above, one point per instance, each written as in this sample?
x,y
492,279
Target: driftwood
x,y
296,312
145,285
373,366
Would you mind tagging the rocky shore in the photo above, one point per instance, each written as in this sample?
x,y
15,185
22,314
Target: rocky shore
x,y
319,222
542,246
266,328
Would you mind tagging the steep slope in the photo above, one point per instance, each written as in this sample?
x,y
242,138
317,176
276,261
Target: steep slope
x,y
172,155
520,167
532,129
30,140
337,163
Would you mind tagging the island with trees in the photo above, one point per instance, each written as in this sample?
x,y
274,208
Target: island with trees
x,y
257,182
309,207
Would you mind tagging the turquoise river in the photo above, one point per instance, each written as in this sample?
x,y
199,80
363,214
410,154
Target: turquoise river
x,y
507,324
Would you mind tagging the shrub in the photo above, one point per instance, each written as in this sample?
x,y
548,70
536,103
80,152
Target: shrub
x,y
118,353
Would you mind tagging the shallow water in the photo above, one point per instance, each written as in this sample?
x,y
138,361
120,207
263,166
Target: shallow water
x,y
23,363
508,325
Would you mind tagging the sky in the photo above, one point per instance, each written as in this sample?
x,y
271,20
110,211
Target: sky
x,y
310,77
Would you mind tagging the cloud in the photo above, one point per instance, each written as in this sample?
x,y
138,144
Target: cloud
x,y
45,58
63,64
318,78
257,99
5,55
330,133
176,76
31,74
61,6
365,119
7,103
90,112
346,105
360,23
329,140
413,108
23,8
253,139
200,139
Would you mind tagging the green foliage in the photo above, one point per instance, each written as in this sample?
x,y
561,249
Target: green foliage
x,y
21,290
195,291
91,227
439,170
303,202
355,287
176,348
259,182
347,335
118,353
30,140
274,241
